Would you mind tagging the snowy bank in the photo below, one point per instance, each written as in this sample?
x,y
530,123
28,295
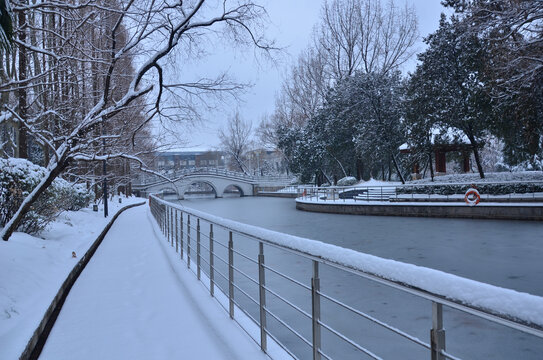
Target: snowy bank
x,y
33,269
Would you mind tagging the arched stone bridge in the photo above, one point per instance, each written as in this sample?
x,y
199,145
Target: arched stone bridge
x,y
219,180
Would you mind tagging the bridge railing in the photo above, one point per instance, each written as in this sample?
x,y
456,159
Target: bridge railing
x,y
444,192
214,171
290,288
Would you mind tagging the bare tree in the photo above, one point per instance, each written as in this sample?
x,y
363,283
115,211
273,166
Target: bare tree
x,y
353,35
77,124
236,140
365,35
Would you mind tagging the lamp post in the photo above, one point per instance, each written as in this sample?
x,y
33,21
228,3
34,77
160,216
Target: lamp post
x,y
104,172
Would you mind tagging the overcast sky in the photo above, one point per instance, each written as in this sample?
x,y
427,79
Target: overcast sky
x,y
291,27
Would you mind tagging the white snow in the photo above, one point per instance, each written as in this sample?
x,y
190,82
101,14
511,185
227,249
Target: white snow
x,y
137,300
33,270
373,182
523,306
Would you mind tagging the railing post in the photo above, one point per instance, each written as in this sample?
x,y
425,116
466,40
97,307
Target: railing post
x,y
211,257
176,231
188,241
437,334
171,225
181,237
316,311
198,248
231,274
163,218
167,215
262,295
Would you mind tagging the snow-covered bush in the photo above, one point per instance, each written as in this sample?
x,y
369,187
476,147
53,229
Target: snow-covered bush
x,y
69,196
347,181
17,179
489,188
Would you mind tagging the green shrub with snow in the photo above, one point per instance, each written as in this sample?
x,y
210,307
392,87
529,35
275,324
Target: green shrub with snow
x,y
347,181
18,177
484,188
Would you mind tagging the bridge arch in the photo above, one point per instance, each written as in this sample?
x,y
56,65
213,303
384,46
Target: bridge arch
x,y
218,180
233,186
168,190
184,189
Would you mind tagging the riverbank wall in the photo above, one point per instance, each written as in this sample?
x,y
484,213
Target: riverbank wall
x,y
277,194
496,211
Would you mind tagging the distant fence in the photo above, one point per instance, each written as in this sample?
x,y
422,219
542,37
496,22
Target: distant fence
x,y
489,191
275,280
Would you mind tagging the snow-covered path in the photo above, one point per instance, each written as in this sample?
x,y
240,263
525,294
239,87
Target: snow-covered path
x,y
137,300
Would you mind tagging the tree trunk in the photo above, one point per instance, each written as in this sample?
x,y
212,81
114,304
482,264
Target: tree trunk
x,y
22,144
359,169
478,161
430,165
474,144
389,170
398,169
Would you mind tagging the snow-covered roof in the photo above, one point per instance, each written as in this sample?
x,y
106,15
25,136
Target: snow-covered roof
x,y
185,151
442,135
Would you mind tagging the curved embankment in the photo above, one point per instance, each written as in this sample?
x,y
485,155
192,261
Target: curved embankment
x,y
509,211
36,342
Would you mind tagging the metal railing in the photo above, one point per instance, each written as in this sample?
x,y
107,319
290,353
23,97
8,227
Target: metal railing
x,y
249,266
414,192
151,179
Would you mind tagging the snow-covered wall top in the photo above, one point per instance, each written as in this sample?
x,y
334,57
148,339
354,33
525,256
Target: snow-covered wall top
x,y
500,301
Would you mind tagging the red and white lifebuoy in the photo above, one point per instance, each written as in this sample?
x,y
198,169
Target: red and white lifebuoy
x,y
472,197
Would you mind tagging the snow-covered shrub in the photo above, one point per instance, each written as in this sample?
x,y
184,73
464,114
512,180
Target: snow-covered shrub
x,y
69,196
347,181
17,179
488,188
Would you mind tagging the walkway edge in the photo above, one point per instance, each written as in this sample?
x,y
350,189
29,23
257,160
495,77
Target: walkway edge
x,y
37,341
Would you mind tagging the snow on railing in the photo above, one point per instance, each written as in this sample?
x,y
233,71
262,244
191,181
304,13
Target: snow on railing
x,y
516,310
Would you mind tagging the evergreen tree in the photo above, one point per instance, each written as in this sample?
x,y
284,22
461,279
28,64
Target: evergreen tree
x,y
514,32
453,93
6,26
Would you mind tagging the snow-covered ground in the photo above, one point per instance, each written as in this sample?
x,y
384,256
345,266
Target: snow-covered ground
x,y
137,300
33,268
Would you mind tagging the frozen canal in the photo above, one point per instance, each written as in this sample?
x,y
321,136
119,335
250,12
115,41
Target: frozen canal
x,y
502,253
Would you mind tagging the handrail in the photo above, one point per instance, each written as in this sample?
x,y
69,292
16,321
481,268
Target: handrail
x,y
179,175
421,282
